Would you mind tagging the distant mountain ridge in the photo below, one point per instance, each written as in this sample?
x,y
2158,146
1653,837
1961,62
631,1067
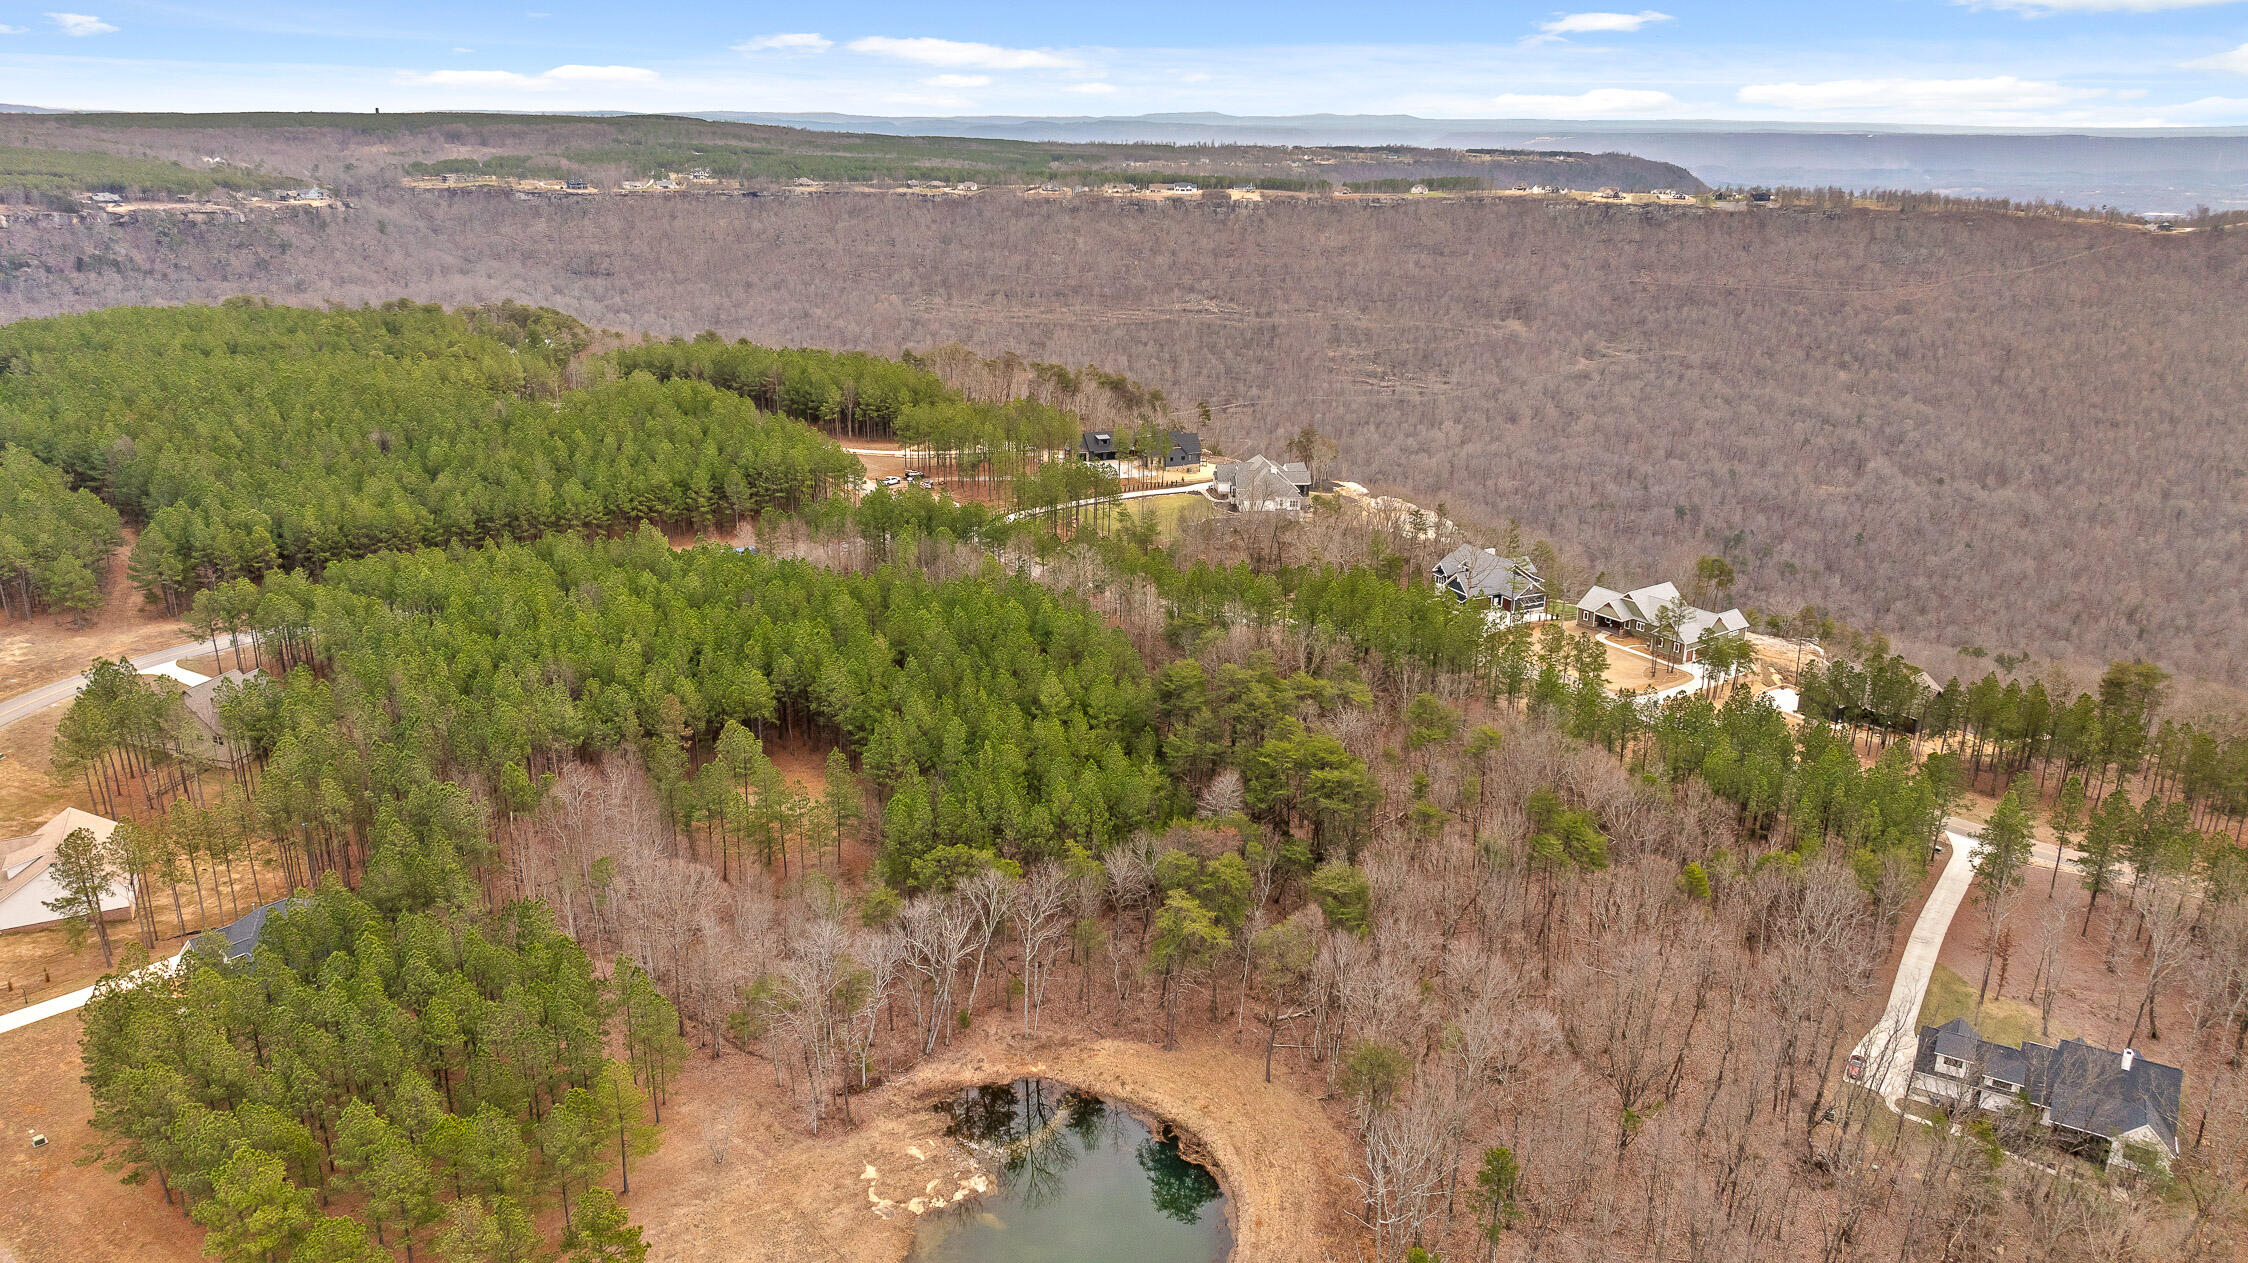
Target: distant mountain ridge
x,y
2168,169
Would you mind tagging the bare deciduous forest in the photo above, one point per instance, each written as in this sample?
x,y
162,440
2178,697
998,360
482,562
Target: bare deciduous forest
x,y
1961,429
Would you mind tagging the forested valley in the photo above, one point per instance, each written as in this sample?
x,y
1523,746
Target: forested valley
x,y
1889,416
1574,976
1305,803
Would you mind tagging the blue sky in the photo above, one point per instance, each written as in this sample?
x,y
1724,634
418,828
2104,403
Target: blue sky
x,y
2076,63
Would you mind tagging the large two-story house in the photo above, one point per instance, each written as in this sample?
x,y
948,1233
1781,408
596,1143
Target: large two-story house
x,y
2102,1104
1641,612
1258,485
1183,450
1481,574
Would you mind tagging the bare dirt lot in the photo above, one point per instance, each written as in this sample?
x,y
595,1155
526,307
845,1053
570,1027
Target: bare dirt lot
x,y
53,1210
1627,668
40,650
782,1196
2091,1001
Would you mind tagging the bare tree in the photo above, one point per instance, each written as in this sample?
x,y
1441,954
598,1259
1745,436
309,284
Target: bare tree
x,y
986,899
807,1003
1040,909
935,933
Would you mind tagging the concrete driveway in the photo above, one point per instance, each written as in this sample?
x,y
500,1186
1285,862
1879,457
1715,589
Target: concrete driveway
x,y
32,701
1182,489
1888,1049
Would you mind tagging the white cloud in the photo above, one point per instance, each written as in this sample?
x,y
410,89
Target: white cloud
x,y
791,42
958,81
469,79
1893,97
2235,61
2045,8
963,55
464,50
1090,89
2228,107
1595,101
601,74
555,78
1601,23
80,24
11,30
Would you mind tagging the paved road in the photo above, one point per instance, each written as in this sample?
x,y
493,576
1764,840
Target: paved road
x,y
76,1000
1888,1049
1695,674
1190,488
32,701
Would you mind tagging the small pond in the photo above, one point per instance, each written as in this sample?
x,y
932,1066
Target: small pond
x,y
1080,1180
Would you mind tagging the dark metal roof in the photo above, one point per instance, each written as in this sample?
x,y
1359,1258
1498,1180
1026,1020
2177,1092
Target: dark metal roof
x,y
242,935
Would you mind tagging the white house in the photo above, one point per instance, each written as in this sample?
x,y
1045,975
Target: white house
x,y
2096,1101
208,739
25,884
1640,612
1481,574
1258,485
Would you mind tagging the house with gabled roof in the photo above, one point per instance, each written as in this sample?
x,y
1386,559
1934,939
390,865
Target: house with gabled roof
x,y
1186,449
1260,485
208,739
1642,612
2100,1103
1510,584
1097,445
26,885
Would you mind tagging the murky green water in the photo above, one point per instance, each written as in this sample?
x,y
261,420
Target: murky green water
x,y
1080,1181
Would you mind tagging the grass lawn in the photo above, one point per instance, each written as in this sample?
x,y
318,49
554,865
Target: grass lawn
x,y
1173,512
2001,1021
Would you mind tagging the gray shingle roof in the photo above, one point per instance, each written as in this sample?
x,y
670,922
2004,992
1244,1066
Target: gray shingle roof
x,y
1454,561
202,701
1646,605
1266,485
2088,1089
1240,472
1957,1040
242,935
2084,1086
1479,573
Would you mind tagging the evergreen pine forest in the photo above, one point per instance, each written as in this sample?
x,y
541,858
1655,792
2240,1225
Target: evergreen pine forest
x,y
446,531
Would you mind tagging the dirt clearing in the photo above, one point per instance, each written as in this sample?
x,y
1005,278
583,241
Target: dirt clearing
x,y
46,648
51,1208
1628,667
2100,979
785,1197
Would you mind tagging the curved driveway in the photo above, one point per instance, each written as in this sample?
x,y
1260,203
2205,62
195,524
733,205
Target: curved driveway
x,y
32,701
1889,1048
1184,488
